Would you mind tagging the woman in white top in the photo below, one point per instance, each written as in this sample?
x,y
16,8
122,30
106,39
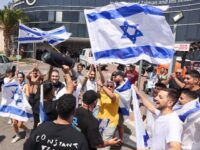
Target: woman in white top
x,y
20,100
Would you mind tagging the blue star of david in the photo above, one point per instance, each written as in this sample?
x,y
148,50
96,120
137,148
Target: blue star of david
x,y
125,28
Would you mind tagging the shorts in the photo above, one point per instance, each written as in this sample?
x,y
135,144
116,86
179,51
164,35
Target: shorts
x,y
108,134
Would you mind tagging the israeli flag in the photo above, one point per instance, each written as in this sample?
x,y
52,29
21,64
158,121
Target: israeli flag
x,y
124,92
35,35
14,103
42,115
126,33
142,137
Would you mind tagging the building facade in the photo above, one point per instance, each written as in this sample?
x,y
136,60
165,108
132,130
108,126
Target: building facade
x,y
49,14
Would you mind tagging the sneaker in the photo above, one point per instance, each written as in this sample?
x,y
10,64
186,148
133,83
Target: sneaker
x,y
17,138
28,132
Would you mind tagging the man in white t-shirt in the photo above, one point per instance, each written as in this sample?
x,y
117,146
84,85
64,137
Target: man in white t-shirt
x,y
150,117
72,87
168,127
89,82
79,74
189,112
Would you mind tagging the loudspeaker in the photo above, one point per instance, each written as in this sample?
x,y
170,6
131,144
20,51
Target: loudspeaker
x,y
57,59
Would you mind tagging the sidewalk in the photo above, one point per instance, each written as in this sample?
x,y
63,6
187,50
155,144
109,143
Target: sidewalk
x,y
7,133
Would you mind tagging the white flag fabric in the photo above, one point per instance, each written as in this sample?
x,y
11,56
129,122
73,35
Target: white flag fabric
x,y
189,115
14,103
142,137
126,33
35,35
124,92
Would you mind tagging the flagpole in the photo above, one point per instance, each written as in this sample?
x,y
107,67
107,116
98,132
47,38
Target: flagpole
x,y
34,51
140,73
55,48
18,45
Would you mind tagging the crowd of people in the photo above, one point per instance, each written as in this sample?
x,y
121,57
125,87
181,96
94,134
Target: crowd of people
x,y
87,111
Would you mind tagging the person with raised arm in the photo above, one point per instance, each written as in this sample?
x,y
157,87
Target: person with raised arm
x,y
168,127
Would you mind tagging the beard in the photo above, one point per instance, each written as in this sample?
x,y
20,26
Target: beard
x,y
92,79
160,107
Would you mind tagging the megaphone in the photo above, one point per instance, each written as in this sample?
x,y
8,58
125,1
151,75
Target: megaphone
x,y
57,59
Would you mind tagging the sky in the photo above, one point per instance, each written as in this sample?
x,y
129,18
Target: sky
x,y
3,3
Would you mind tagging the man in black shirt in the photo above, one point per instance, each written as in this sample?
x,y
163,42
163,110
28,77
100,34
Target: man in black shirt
x,y
59,134
192,82
89,125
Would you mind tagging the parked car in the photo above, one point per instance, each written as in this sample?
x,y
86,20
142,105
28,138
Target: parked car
x,y
86,58
5,63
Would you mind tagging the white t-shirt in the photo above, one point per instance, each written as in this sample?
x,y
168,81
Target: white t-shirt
x,y
7,80
75,93
80,77
150,118
60,93
168,128
91,85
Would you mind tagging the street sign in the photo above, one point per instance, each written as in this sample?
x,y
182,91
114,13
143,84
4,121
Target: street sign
x,y
184,47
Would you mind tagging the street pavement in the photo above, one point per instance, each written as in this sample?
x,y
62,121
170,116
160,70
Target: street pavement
x,y
7,132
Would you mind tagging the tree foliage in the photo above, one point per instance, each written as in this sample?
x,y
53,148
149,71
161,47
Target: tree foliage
x,y
9,21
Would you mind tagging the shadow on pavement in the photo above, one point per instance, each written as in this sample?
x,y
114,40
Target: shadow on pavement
x,y
127,130
2,137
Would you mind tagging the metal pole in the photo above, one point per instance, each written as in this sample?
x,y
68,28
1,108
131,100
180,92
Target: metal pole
x,y
183,60
172,64
140,73
34,50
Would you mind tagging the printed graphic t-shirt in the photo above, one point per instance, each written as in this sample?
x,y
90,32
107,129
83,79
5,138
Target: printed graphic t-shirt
x,y
51,136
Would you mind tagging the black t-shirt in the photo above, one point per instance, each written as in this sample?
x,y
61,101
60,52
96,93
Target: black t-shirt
x,y
51,136
58,86
89,126
198,93
174,85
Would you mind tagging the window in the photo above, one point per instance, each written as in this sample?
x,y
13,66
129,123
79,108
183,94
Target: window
x,y
41,16
82,30
71,16
31,16
81,17
1,59
5,59
74,30
59,16
51,16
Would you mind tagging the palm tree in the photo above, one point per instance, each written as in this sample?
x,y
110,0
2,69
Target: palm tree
x,y
9,20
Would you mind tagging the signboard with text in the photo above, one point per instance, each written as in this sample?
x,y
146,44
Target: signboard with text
x,y
184,47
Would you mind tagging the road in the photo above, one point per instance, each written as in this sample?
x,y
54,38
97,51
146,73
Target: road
x,y
7,132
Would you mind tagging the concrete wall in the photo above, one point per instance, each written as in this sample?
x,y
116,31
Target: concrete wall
x,y
1,41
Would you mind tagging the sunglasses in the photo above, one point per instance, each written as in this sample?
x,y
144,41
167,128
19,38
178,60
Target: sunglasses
x,y
111,86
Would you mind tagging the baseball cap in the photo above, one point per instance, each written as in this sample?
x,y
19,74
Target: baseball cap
x,y
90,96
